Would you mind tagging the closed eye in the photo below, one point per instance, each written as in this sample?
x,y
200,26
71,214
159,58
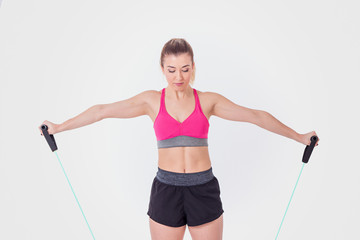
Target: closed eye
x,y
183,71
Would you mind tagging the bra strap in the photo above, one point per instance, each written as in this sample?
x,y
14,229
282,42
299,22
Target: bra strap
x,y
197,100
162,100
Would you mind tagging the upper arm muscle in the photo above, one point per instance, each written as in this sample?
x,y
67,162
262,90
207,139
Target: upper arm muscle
x,y
226,109
128,108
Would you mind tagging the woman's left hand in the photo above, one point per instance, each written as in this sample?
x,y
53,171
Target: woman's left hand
x,y
305,138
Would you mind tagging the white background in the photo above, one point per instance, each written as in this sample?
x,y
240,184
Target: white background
x,y
298,61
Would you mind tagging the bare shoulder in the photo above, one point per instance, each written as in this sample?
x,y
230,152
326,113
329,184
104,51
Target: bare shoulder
x,y
152,99
225,108
207,100
207,94
149,93
210,97
150,96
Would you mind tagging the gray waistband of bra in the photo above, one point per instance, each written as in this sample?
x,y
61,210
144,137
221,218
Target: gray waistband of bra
x,y
184,179
182,141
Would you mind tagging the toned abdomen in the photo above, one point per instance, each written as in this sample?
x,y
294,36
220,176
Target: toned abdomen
x,y
184,159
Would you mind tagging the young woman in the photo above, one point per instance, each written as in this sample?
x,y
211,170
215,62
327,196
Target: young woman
x,y
184,190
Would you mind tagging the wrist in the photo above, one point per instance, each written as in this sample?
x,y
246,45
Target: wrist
x,y
58,128
299,137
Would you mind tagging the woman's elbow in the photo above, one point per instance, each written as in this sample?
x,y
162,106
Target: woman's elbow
x,y
99,111
257,116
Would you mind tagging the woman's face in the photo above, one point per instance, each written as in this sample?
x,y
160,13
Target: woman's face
x,y
178,69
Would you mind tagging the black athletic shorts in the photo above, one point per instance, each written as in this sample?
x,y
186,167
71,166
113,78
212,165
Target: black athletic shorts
x,y
176,206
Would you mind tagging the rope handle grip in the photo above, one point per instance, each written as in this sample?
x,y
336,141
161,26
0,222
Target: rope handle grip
x,y
49,137
309,148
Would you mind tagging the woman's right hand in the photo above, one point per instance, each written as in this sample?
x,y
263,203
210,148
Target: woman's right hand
x,y
306,138
52,127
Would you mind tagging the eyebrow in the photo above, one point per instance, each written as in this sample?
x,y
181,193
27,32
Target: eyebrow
x,y
182,66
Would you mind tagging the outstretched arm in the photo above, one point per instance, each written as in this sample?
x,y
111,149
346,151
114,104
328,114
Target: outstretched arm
x,y
128,108
226,109
270,123
87,117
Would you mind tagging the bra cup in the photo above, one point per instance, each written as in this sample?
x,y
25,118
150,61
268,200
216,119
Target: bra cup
x,y
165,128
196,125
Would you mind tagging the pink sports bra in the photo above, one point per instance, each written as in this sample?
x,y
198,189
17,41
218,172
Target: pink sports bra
x,y
193,131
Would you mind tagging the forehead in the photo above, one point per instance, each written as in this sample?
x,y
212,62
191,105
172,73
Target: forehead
x,y
179,60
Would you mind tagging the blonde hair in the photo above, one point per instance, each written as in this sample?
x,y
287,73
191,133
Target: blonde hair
x,y
178,46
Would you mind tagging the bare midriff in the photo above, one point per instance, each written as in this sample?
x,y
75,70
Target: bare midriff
x,y
184,159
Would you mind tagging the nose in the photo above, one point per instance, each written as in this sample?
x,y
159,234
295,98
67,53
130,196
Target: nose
x,y
178,76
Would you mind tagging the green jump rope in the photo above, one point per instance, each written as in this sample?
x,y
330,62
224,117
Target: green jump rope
x,y
51,141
